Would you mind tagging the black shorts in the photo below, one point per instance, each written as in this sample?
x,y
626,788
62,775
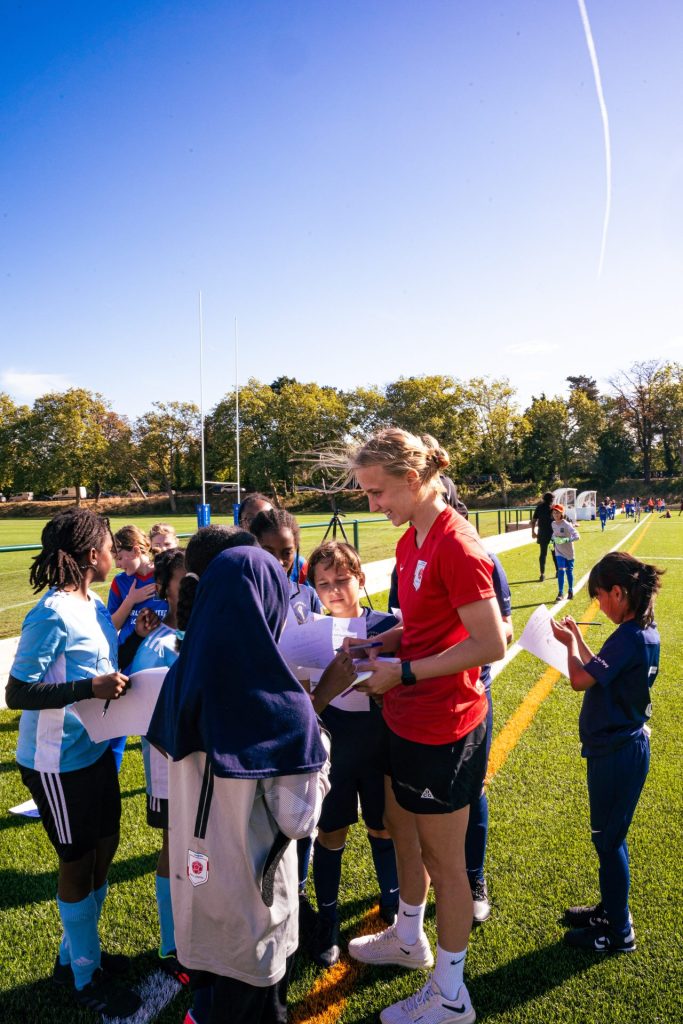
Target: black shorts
x,y
356,769
157,811
77,808
436,779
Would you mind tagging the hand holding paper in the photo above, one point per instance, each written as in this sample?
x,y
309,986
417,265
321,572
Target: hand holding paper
x,y
538,638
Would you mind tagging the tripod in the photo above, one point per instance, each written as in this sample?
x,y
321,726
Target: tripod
x,y
335,524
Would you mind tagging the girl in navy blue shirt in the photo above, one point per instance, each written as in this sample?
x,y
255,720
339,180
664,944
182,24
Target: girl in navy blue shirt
x,y
614,735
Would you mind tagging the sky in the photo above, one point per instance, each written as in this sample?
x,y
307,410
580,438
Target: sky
x,y
359,190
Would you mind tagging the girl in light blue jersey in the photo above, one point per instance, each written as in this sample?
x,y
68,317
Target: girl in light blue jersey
x,y
68,651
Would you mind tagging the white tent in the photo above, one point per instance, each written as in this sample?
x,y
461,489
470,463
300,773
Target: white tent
x,y
586,505
566,496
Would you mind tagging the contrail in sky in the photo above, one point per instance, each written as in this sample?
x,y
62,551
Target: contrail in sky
x,y
605,126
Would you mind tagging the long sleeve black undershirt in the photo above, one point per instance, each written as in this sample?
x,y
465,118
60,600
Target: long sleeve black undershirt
x,y
21,696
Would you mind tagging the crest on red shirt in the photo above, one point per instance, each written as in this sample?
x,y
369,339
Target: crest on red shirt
x,y
419,572
197,867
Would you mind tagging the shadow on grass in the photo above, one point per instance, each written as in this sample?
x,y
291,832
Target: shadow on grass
x,y
534,604
53,1004
528,977
521,583
17,889
12,726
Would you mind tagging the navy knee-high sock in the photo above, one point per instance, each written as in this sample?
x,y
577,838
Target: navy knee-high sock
x,y
475,839
615,879
327,866
384,859
303,855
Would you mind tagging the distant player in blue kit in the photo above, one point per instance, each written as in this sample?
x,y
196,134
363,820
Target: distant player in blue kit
x,y
614,735
603,514
68,652
357,772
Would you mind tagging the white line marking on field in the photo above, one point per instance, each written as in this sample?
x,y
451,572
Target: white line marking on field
x,y
22,604
513,651
156,991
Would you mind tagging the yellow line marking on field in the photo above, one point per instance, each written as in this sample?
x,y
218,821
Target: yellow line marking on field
x,y
339,981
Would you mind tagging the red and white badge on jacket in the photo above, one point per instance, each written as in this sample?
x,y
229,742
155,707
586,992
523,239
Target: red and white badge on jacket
x,y
197,867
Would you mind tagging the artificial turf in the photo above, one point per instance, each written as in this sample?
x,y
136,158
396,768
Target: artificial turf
x,y
540,858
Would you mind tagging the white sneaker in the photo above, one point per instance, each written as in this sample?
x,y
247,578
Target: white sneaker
x,y
386,948
481,908
430,1006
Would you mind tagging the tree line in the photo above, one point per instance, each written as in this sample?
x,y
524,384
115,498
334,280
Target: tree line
x,y
75,438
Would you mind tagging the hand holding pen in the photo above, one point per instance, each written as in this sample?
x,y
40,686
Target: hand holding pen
x,y
109,687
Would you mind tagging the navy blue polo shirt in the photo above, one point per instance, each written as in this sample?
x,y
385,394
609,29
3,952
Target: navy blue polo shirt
x,y
618,706
504,598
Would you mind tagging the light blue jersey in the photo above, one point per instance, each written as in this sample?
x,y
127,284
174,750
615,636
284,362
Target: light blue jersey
x,y
157,651
62,639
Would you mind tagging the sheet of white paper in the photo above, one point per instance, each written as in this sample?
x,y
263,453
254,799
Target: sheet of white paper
x,y
537,638
28,809
314,643
130,715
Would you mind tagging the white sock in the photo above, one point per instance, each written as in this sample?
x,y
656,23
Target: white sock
x,y
448,971
409,922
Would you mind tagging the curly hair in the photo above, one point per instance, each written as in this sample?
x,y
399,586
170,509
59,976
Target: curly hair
x,y
67,539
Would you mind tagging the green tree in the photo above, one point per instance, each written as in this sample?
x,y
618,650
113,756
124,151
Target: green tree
x,y
12,419
491,404
544,449
438,405
168,440
640,401
65,436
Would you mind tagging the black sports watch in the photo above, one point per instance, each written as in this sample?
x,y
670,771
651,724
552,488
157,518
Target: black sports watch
x,y
408,677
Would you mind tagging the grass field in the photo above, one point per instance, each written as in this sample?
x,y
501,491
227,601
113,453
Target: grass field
x,y
540,857
376,539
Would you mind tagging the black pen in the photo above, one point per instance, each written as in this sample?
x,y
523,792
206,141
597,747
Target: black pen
x,y
590,623
106,705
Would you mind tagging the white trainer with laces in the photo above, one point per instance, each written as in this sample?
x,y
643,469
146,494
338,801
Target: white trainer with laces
x,y
430,1006
386,948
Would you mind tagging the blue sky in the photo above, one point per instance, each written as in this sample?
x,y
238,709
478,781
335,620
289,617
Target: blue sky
x,y
371,189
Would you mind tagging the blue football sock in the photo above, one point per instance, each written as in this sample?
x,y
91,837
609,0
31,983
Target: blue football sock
x,y
615,881
570,576
475,838
560,580
80,925
327,865
165,911
64,951
100,896
202,1001
117,747
384,859
303,856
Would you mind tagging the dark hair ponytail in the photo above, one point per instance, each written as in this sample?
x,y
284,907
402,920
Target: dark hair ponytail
x,y
640,582
202,548
166,563
67,541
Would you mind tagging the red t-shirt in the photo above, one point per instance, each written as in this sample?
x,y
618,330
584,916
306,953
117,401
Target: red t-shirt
x,y
450,570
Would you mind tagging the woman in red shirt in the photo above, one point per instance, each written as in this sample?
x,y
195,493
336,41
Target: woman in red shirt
x,y
434,709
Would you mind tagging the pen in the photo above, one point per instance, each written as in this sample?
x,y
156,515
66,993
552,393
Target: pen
x,y
589,623
106,705
364,646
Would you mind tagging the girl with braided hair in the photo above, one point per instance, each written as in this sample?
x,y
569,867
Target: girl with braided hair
x,y
68,651
615,737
